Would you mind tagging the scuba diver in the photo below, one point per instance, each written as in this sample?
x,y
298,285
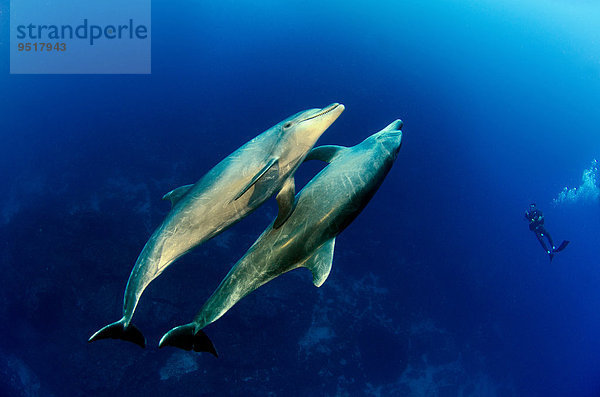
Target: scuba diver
x,y
536,224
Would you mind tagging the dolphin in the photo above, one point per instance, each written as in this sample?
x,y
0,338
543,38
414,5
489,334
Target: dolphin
x,y
227,193
324,208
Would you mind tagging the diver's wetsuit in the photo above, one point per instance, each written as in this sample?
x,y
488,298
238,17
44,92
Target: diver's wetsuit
x,y
536,225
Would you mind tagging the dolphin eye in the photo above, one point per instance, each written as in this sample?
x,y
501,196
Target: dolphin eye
x,y
287,125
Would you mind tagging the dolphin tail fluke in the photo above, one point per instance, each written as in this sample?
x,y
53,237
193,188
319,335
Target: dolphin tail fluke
x,y
119,331
184,338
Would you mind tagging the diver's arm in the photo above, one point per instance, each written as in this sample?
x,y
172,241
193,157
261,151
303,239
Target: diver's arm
x,y
539,216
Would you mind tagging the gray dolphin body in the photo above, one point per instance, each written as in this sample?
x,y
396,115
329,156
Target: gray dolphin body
x,y
324,208
228,192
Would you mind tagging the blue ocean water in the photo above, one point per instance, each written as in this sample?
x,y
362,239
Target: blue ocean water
x,y
437,289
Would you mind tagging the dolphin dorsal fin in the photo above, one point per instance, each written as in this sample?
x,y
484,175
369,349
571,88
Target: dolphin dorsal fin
x,y
286,199
273,163
176,194
319,263
325,153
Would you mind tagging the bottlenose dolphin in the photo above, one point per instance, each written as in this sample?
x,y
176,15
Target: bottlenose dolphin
x,y
228,192
325,207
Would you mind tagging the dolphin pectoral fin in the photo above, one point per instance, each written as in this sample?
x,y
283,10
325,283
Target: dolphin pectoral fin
x,y
176,194
118,331
272,165
184,338
320,262
324,153
286,199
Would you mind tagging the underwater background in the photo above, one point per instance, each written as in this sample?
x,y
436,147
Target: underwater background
x,y
437,289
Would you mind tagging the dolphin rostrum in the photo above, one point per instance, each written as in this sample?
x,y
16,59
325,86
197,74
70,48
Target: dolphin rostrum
x,y
228,192
324,208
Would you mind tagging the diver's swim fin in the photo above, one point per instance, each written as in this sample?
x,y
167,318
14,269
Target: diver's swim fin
x,y
118,331
184,338
562,246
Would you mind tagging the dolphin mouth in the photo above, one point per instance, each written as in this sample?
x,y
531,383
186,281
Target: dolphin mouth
x,y
323,111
